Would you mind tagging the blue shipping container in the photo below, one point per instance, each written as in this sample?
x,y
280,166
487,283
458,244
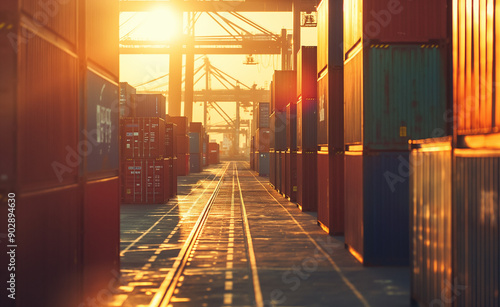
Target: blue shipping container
x,y
194,142
264,164
194,163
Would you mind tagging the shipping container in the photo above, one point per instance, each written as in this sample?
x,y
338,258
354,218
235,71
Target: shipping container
x,y
278,164
283,174
330,191
149,105
127,102
394,93
56,216
263,164
195,142
214,153
389,21
173,174
252,153
183,164
306,99
102,35
142,138
262,139
181,122
377,207
291,175
196,127
170,140
101,239
183,144
195,163
263,115
278,131
476,202
145,181
330,127
430,220
285,89
475,67
330,35
272,168
291,126
101,134
307,181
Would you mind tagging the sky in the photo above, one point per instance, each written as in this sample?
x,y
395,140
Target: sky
x,y
138,69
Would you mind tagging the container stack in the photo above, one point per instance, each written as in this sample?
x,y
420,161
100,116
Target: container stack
x,y
146,170
182,143
252,152
454,185
283,92
330,117
213,153
306,129
127,100
196,141
262,140
59,155
395,89
171,154
206,141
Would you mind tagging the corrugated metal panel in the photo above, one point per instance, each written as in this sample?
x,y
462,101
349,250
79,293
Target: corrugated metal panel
x,y
291,175
173,173
323,190
145,181
214,153
322,126
102,21
103,128
55,216
285,89
386,208
262,139
58,16
263,115
389,21
279,139
101,221
272,167
353,99
127,103
306,72
404,95
149,105
183,164
170,142
142,137
476,60
354,210
307,102
182,144
196,127
47,116
194,142
330,34
331,199
283,174
430,221
307,181
476,235
291,126
278,171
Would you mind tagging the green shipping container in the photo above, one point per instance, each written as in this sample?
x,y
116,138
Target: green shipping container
x,y
402,94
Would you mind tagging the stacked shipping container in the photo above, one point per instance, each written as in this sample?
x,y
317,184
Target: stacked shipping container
x,y
213,153
262,140
395,90
182,143
196,144
59,149
330,117
461,237
306,129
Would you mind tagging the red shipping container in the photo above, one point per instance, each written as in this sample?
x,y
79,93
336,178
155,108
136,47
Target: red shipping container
x,y
149,105
307,99
142,138
214,155
392,21
291,175
262,139
101,222
272,168
183,165
170,140
285,89
145,181
54,215
181,122
307,181
168,165
331,191
182,142
127,104
196,127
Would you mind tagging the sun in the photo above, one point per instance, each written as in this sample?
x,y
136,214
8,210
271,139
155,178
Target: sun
x,y
160,24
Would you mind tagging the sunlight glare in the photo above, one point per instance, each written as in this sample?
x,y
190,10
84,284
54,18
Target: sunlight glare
x,y
160,25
